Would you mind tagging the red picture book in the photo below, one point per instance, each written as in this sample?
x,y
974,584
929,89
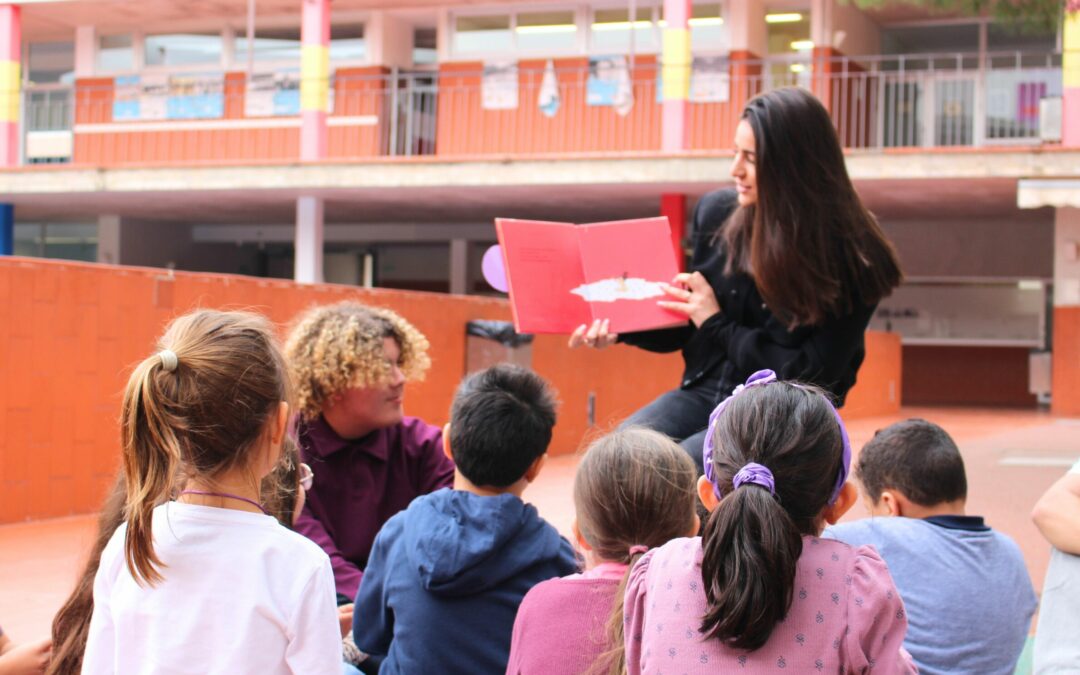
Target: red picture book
x,y
562,275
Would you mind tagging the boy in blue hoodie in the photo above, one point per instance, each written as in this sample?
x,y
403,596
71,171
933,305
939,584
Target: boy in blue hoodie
x,y
445,576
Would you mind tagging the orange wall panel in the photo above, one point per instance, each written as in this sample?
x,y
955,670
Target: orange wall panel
x,y
70,333
1066,362
712,125
985,376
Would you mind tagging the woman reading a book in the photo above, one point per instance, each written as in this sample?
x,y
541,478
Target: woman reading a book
x,y
787,269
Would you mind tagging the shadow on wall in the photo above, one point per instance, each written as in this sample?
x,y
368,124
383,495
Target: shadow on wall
x,y
71,332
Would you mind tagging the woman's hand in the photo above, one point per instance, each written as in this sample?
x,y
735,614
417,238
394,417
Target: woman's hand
x,y
596,335
695,296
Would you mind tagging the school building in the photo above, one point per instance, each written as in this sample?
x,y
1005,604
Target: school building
x,y
372,142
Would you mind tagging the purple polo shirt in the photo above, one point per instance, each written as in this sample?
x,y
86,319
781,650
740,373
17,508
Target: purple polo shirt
x,y
359,484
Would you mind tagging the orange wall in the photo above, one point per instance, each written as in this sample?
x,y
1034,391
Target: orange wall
x,y
69,333
358,91
1066,362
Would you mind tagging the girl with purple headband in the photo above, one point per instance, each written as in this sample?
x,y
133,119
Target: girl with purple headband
x,y
759,590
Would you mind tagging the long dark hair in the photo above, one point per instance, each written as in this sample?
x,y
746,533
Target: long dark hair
x,y
753,540
811,246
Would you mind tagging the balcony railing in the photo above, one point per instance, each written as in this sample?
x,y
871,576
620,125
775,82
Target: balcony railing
x,y
876,102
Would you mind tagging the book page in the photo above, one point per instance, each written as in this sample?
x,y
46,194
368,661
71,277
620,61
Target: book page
x,y
624,264
543,266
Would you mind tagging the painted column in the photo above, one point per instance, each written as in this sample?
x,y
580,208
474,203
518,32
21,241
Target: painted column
x,y
749,43
1065,382
314,79
7,229
459,266
10,78
309,240
674,207
1070,70
677,60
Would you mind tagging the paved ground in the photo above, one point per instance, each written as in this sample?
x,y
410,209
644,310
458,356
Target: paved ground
x,y
1012,457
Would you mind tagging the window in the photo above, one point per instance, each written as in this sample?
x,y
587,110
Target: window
x,y
183,49
425,50
116,53
51,62
546,31
707,30
483,34
271,44
347,42
611,30
67,241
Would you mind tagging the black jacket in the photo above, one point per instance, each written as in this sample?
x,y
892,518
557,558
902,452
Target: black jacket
x,y
744,336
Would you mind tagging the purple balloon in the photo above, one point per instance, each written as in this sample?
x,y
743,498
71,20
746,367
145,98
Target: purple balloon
x,y
494,270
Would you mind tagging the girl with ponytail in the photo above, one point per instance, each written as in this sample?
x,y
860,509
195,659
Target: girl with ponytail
x,y
759,591
200,577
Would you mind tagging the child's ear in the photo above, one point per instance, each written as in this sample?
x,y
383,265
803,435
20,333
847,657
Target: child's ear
x,y
891,503
281,423
577,537
844,501
446,442
705,493
534,470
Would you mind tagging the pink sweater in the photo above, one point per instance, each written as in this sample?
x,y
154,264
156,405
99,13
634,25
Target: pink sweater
x,y
846,616
561,625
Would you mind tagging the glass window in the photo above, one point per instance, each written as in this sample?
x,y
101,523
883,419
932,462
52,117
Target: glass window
x,y
116,53
271,44
183,49
546,31
347,42
707,30
67,241
483,34
51,62
611,28
425,50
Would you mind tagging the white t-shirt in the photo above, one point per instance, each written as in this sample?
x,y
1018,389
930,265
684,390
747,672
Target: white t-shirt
x,y
241,594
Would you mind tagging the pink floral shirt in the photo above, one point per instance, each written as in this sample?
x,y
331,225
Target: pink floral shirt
x,y
846,616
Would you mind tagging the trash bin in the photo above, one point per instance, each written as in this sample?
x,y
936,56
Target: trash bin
x,y
491,342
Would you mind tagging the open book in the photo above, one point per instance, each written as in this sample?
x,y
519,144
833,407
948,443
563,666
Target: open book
x,y
562,275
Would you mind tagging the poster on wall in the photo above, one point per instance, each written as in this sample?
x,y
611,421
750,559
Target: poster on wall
x,y
499,86
709,80
272,94
169,97
609,84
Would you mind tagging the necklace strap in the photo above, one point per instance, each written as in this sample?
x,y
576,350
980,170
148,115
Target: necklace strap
x,y
225,495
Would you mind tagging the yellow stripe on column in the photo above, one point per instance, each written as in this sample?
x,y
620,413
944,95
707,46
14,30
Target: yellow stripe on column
x,y
676,72
1070,62
315,78
10,78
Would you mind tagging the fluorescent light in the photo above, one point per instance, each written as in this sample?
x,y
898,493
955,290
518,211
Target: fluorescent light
x,y
797,68
620,25
706,21
1030,285
790,17
802,45
551,28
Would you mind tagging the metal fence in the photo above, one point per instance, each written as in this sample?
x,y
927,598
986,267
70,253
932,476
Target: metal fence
x,y
876,102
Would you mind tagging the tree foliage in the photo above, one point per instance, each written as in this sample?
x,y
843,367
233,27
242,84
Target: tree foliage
x,y
1042,16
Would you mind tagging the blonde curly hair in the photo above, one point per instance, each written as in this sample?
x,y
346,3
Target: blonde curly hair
x,y
332,348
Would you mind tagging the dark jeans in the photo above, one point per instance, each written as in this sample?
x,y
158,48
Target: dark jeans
x,y
682,414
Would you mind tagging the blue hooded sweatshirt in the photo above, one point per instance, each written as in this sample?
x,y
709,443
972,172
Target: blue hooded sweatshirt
x,y
445,578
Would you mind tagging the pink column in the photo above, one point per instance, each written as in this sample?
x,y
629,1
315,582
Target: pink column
x,y
314,79
676,75
10,83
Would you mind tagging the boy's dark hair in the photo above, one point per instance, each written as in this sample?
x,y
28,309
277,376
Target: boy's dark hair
x,y
918,459
500,423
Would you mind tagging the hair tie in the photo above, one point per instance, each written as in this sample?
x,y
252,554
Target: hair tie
x,y
755,474
169,360
761,378
634,550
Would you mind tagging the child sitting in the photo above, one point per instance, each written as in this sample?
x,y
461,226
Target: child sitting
x,y
943,561
634,490
201,579
446,576
759,591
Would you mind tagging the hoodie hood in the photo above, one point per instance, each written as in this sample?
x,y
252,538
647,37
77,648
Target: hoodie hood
x,y
461,544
